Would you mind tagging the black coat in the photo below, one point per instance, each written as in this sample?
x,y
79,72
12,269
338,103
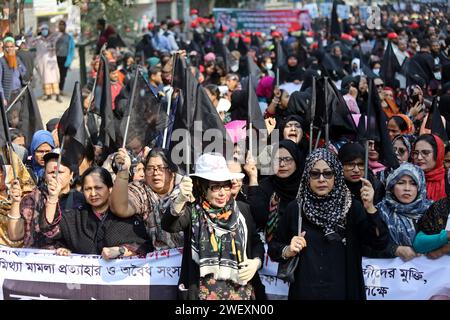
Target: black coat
x,y
190,272
84,233
329,269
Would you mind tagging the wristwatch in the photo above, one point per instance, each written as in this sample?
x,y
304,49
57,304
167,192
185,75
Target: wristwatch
x,y
122,251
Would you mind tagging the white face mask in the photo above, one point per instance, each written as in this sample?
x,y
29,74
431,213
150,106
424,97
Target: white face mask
x,y
376,71
234,67
437,75
269,66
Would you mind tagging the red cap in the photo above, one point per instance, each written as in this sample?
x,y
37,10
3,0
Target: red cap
x,y
194,11
150,26
354,33
295,26
314,46
392,35
310,34
219,35
247,33
234,35
346,36
414,25
247,40
194,24
258,34
276,34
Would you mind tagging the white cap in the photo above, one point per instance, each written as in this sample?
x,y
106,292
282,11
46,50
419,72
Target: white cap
x,y
213,167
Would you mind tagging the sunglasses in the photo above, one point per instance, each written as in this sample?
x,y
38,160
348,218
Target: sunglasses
x,y
315,175
216,187
401,151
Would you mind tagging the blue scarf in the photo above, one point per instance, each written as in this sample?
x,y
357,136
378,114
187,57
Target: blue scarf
x,y
400,217
39,137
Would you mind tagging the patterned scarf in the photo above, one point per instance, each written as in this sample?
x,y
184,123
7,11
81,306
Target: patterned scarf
x,y
329,212
273,218
435,219
219,239
400,217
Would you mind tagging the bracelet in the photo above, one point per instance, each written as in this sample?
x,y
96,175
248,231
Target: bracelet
x,y
283,253
14,218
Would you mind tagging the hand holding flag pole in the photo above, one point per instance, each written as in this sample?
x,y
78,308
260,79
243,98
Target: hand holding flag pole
x,y
8,137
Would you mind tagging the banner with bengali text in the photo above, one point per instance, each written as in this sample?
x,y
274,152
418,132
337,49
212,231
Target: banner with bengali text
x,y
30,274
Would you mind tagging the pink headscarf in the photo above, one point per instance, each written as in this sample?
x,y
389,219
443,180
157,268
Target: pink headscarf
x,y
265,87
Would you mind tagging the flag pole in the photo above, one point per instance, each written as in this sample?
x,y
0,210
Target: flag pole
x,y
8,137
18,97
313,115
130,106
169,106
367,126
278,76
327,123
60,156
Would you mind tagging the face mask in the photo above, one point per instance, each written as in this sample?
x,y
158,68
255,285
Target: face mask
x,y
234,67
44,32
376,71
269,66
437,75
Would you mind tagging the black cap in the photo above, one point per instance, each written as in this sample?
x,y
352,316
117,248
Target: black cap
x,y
51,124
54,154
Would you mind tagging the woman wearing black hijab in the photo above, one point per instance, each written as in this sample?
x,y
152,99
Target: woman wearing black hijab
x,y
300,101
270,198
351,155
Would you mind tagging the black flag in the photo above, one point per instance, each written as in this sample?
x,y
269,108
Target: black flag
x,y
374,128
72,129
148,117
335,26
434,121
389,66
25,116
103,105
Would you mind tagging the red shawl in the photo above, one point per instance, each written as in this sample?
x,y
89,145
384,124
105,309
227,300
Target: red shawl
x,y
435,178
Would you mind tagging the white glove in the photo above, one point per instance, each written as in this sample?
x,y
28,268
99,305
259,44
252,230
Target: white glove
x,y
185,194
248,269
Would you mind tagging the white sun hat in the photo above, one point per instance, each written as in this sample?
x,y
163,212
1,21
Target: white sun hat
x,y
213,167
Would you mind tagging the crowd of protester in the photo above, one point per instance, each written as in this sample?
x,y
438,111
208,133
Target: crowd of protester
x,y
130,201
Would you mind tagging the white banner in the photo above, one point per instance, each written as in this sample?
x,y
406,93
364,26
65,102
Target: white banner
x,y
31,274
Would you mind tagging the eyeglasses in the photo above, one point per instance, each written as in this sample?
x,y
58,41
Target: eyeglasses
x,y
153,169
293,125
423,153
315,175
286,160
42,151
217,187
352,165
381,85
401,151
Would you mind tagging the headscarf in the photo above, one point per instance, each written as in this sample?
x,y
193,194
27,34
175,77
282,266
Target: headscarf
x,y
219,238
329,212
286,188
265,87
435,219
39,137
400,217
407,140
435,178
409,123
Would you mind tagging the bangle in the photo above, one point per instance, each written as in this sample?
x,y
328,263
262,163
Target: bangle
x,y
13,218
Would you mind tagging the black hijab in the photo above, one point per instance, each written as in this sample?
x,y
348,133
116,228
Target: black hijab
x,y
287,188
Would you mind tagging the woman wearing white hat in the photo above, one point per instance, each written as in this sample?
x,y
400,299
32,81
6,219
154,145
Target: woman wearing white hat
x,y
222,251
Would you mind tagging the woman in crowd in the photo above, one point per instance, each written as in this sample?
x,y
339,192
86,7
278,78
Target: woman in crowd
x,y
351,155
149,198
428,154
433,234
222,250
37,215
334,228
94,229
404,204
402,145
399,124
41,144
270,198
